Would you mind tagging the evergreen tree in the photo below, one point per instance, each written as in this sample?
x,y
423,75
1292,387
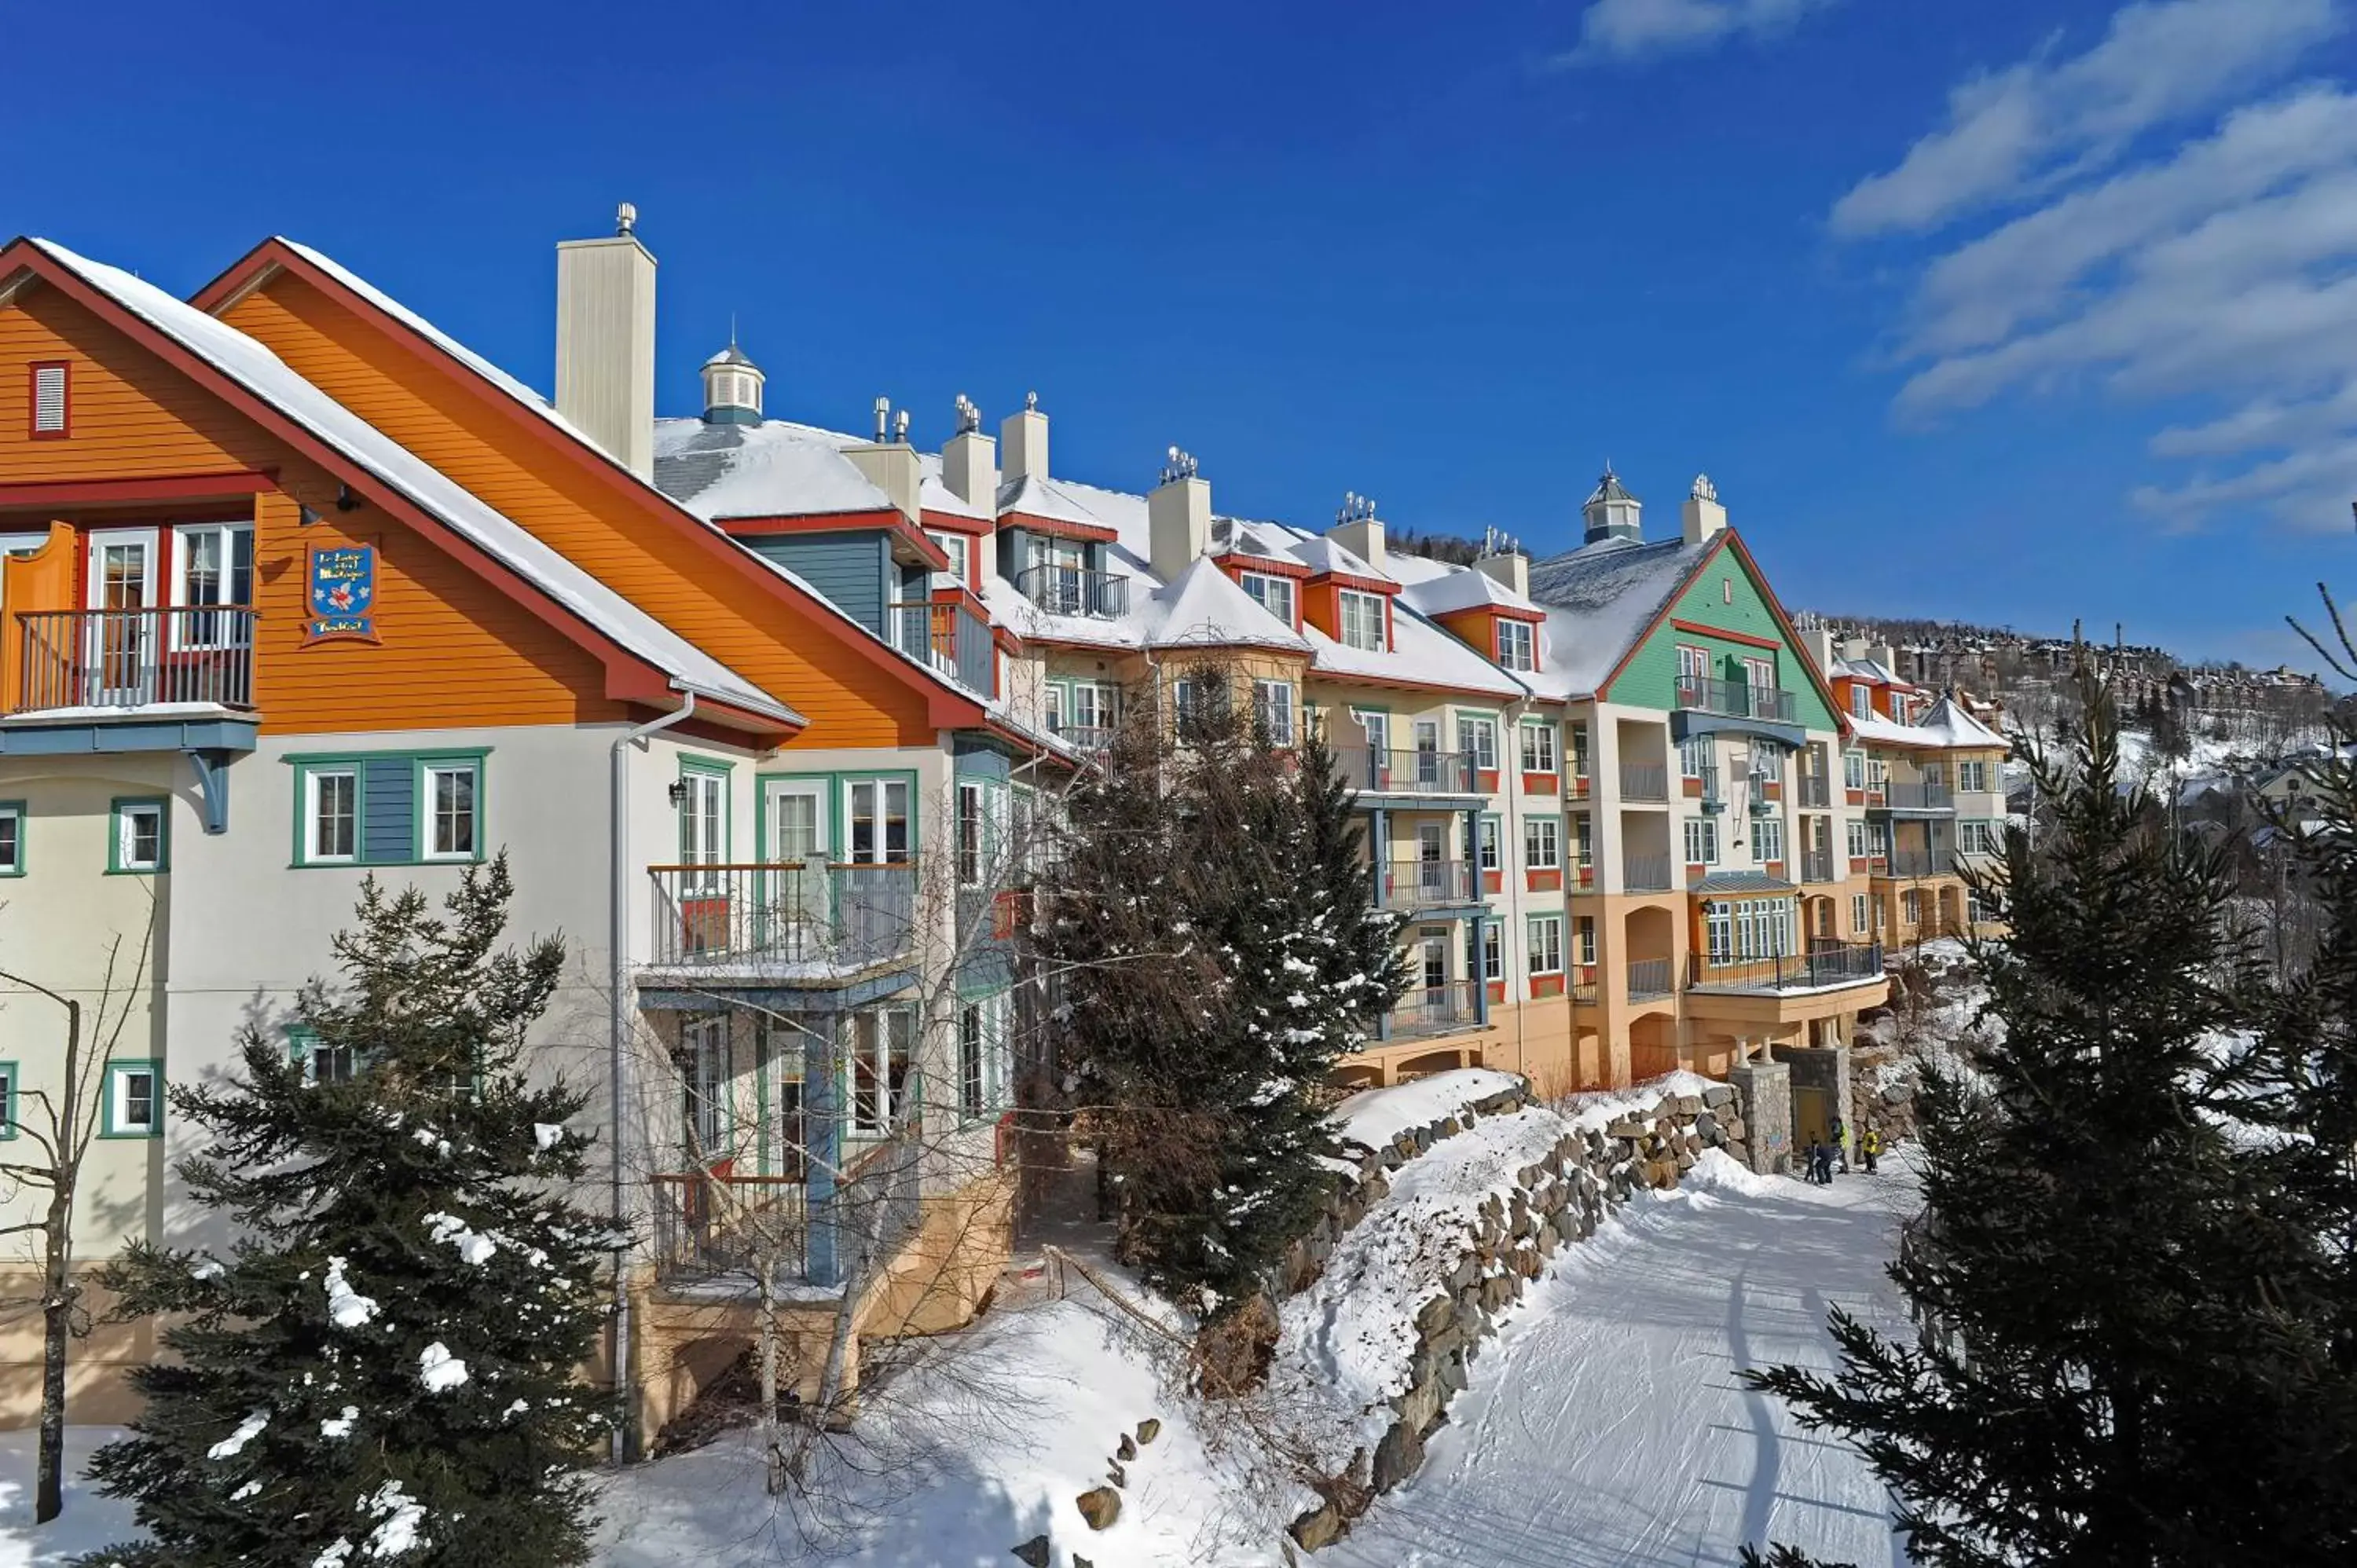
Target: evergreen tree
x,y
2106,1373
385,1365
1213,921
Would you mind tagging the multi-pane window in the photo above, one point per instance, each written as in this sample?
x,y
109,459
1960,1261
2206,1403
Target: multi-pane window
x,y
1485,844
216,570
332,809
1768,840
1378,726
1362,620
1761,675
1546,944
321,1062
972,1059
1853,770
1972,776
134,1100
1586,929
450,825
1911,906
1273,594
1979,908
1701,840
1494,951
704,1071
1478,739
879,1043
954,545
1517,645
1538,749
140,843
1860,913
12,839
1741,928
1090,707
1580,751
1273,710
969,834
1693,666
1694,757
1861,700
1200,702
1541,845
880,821
1859,840
1976,837
1583,839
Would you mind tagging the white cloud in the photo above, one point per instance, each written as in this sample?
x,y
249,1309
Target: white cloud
x,y
2045,121
1635,29
2213,265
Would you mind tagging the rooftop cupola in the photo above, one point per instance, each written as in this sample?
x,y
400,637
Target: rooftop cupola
x,y
732,387
1611,511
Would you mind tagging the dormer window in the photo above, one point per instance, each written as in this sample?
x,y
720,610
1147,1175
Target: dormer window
x,y
1517,645
1363,620
1272,594
1861,702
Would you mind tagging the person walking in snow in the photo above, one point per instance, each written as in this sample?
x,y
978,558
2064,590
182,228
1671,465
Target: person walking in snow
x,y
1871,1147
1841,1145
1816,1161
1824,1165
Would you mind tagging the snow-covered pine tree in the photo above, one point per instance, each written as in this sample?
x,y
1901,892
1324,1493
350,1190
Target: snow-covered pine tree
x,y
1214,926
383,1368
2103,1375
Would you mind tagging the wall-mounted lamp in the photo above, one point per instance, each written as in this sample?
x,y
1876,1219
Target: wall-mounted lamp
x,y
346,500
305,517
678,792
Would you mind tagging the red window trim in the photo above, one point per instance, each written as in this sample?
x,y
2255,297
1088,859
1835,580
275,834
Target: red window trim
x,y
33,430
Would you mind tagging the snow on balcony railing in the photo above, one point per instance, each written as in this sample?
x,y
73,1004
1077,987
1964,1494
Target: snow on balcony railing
x,y
134,658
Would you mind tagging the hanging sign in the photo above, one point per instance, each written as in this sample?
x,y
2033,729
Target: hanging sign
x,y
342,594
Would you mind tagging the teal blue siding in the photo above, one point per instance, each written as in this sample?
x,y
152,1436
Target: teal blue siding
x,y
853,571
389,809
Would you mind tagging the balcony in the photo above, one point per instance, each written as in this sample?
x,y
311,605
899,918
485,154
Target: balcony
x,y
1817,865
1646,782
1918,863
1091,738
1915,795
1406,772
1826,965
789,921
1437,1010
1411,884
1645,872
1816,793
1735,700
1712,794
1075,591
81,661
717,1230
1649,979
947,636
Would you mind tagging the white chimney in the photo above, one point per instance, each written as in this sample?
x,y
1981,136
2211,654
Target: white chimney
x,y
970,460
606,342
1025,437
1703,516
1358,530
1177,517
890,464
1819,641
1512,568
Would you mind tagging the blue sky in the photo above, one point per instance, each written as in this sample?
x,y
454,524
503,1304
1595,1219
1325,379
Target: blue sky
x,y
2015,310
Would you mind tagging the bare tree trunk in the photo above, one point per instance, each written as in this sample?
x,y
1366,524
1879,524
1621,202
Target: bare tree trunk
x,y
58,1298
772,1452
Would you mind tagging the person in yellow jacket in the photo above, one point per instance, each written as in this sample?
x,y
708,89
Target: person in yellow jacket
x,y
1871,1146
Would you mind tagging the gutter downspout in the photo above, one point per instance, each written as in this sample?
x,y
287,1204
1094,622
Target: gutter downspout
x,y
625,1441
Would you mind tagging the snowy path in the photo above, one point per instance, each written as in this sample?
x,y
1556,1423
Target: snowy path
x,y
1608,1430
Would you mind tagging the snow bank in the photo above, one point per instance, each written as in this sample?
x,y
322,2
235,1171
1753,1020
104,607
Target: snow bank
x,y
1374,1117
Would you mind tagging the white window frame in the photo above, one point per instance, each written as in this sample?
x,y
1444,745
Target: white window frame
x,y
959,549
1975,837
118,1098
1542,843
1972,776
1694,757
126,834
1274,594
873,1117
429,809
312,818
971,833
1494,951
231,536
878,820
1861,913
1584,940
12,865
1861,842
1544,935
1861,701
1477,738
1702,832
1540,752
1273,709
1486,851
1368,632
1767,840
1518,645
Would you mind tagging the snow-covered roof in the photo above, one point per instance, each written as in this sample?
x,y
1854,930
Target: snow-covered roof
x,y
1202,606
1463,589
267,377
1871,671
775,469
1601,598
1945,726
1035,495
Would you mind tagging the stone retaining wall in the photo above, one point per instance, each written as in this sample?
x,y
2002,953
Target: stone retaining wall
x,y
1554,1202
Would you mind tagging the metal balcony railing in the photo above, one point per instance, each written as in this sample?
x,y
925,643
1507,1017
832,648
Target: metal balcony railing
x,y
1648,978
1816,793
1919,862
1824,964
1913,795
1712,793
1435,1009
765,917
1644,782
1414,883
1817,865
1735,699
709,1226
1083,737
1645,872
948,636
1075,591
133,659
1406,772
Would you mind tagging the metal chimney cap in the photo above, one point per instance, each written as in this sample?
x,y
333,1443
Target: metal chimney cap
x,y
626,217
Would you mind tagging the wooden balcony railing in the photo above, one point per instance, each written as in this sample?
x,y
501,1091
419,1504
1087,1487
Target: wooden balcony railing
x,y
133,658
834,917
706,1226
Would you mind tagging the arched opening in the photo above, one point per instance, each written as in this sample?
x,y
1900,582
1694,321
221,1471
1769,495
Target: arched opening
x,y
1651,942
1428,1064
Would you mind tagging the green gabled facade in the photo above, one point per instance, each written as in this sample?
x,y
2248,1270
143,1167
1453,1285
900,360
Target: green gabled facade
x,y
1725,592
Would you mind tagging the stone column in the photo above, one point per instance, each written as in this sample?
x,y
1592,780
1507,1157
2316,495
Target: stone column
x,y
1763,1088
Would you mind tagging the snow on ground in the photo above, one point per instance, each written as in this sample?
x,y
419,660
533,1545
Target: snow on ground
x,y
1606,1428
1373,1117
88,1522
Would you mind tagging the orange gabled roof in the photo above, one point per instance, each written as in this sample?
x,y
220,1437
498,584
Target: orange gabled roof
x,y
520,412
637,651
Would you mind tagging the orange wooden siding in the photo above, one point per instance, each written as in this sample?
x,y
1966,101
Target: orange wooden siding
x,y
430,407
456,651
